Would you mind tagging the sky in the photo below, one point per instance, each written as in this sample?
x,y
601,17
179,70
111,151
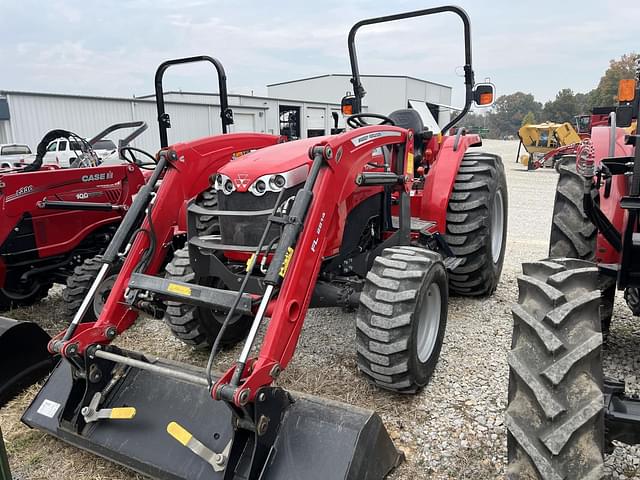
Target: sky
x,y
112,48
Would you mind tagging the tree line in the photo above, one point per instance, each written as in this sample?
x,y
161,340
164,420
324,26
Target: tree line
x,y
510,112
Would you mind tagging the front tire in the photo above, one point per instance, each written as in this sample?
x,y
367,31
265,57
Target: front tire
x,y
80,282
199,326
402,318
477,224
555,418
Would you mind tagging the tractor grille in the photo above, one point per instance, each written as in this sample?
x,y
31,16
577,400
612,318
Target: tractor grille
x,y
247,230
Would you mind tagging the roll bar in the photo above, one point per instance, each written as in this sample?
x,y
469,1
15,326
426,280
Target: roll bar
x,y
359,91
164,122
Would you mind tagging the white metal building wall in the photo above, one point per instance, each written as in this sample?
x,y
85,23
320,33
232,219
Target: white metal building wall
x,y
192,116
384,93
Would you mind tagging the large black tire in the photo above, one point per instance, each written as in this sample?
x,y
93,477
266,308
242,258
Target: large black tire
x,y
555,418
23,298
199,326
477,224
573,235
402,318
207,224
79,283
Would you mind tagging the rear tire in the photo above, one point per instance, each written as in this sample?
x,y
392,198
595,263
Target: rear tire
x,y
573,235
80,282
11,299
555,418
402,318
477,224
199,326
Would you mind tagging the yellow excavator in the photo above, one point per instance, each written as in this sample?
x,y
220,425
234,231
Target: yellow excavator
x,y
545,143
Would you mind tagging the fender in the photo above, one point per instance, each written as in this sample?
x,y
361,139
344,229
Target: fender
x,y
610,206
441,178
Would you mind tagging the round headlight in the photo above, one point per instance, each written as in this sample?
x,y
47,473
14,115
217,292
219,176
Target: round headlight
x,y
261,187
277,182
228,186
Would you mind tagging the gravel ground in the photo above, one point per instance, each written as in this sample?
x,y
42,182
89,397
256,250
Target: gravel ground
x,y
453,429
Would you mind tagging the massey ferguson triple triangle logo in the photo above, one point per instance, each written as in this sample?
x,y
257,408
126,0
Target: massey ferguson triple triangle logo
x,y
242,180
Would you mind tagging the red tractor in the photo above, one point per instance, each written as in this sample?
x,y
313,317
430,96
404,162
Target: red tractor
x,y
91,203
563,414
384,218
52,219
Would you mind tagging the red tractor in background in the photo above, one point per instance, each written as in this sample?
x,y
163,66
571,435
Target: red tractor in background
x,y
563,414
383,218
53,219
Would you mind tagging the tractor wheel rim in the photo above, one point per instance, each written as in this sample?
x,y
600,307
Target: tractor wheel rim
x,y
101,295
17,296
429,322
497,226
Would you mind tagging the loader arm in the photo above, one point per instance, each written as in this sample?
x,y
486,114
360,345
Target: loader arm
x,y
187,174
340,163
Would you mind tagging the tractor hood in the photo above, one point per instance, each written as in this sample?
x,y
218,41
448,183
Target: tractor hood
x,y
269,169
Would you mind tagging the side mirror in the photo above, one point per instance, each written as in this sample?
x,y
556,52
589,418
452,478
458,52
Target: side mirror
x,y
346,105
484,94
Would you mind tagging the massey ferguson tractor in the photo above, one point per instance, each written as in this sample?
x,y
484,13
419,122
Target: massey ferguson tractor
x,y
385,219
563,414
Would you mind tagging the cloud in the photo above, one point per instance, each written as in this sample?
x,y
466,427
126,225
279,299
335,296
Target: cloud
x,y
113,48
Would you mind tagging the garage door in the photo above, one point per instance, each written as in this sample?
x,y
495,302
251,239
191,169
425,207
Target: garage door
x,y
244,122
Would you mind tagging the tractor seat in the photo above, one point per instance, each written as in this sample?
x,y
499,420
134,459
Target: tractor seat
x,y
410,119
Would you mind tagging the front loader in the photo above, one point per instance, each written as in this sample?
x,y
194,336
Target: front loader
x,y
384,219
82,209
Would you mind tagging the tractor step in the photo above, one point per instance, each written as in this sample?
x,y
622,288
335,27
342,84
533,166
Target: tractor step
x,y
192,294
180,432
417,224
199,210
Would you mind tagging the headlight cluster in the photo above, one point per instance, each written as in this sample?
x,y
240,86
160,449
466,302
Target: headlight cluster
x,y
273,182
223,184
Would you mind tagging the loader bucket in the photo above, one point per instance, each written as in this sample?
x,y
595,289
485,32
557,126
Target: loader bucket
x,y
317,439
24,358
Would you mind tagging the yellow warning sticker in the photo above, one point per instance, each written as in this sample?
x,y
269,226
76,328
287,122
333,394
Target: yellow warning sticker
x,y
285,263
181,289
251,259
410,165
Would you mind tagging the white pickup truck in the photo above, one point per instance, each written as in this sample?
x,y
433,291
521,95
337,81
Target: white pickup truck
x,y
62,152
14,155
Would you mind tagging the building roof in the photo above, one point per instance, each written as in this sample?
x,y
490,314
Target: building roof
x,y
151,97
230,95
326,75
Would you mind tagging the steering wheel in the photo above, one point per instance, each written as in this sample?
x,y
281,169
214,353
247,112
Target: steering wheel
x,y
135,161
358,120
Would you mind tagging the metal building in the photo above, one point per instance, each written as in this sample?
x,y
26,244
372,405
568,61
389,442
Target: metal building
x,y
26,116
385,93
299,109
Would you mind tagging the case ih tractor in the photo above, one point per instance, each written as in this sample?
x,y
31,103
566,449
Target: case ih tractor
x,y
563,414
53,219
384,218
